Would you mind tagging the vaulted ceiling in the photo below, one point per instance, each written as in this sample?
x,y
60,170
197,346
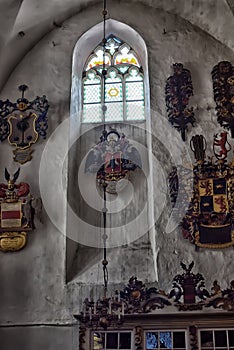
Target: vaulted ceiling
x,y
24,22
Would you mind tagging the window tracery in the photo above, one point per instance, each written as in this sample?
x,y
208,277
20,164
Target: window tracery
x,y
124,87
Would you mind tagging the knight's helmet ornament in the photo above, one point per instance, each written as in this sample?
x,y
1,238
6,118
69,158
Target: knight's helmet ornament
x,y
18,208
22,122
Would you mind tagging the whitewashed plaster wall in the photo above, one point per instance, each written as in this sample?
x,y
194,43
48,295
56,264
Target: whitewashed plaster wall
x,y
33,281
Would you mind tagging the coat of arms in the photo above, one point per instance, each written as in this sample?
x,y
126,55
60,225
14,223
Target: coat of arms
x,y
22,123
112,159
18,208
208,221
223,86
178,90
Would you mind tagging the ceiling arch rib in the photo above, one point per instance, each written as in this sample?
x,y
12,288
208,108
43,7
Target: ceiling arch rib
x,y
36,20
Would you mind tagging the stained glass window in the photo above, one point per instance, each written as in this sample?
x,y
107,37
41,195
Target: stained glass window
x,y
124,87
112,340
217,339
165,340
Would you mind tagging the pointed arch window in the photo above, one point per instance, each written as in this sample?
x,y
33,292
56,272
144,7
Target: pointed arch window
x,y
124,89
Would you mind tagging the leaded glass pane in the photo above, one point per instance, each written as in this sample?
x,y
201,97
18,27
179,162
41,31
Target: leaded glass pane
x,y
151,340
113,91
220,338
135,110
92,94
123,68
125,341
97,59
112,340
114,111
206,339
125,55
134,91
165,340
178,340
231,338
92,113
134,75
112,44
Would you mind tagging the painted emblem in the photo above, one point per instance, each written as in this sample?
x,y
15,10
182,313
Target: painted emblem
x,y
178,90
18,208
112,159
209,218
223,86
22,123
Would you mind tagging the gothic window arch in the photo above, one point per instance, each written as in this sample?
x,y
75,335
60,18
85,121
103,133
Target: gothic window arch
x,y
124,89
81,259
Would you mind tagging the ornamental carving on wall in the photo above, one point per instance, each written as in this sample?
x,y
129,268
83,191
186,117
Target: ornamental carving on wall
x,y
188,293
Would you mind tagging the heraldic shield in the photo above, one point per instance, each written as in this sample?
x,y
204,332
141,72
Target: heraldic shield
x,y
17,208
22,122
209,218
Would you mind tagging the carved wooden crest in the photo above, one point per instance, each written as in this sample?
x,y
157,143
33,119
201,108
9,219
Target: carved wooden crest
x,y
22,122
223,86
208,221
17,208
178,90
112,159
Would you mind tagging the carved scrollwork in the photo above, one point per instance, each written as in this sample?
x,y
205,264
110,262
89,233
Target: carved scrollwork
x,y
140,299
82,332
138,337
193,338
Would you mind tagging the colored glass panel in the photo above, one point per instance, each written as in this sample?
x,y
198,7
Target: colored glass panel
x,y
125,55
97,59
151,340
134,91
114,111
135,110
166,340
92,113
124,87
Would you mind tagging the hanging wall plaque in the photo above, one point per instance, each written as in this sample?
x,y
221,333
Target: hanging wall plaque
x,y
208,221
18,208
22,122
178,90
223,86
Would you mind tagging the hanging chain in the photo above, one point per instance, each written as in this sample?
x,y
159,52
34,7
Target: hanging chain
x,y
104,108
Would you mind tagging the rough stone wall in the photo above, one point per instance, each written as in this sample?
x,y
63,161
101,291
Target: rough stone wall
x,y
33,285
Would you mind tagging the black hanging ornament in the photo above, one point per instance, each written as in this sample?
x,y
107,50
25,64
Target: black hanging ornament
x,y
178,90
223,86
